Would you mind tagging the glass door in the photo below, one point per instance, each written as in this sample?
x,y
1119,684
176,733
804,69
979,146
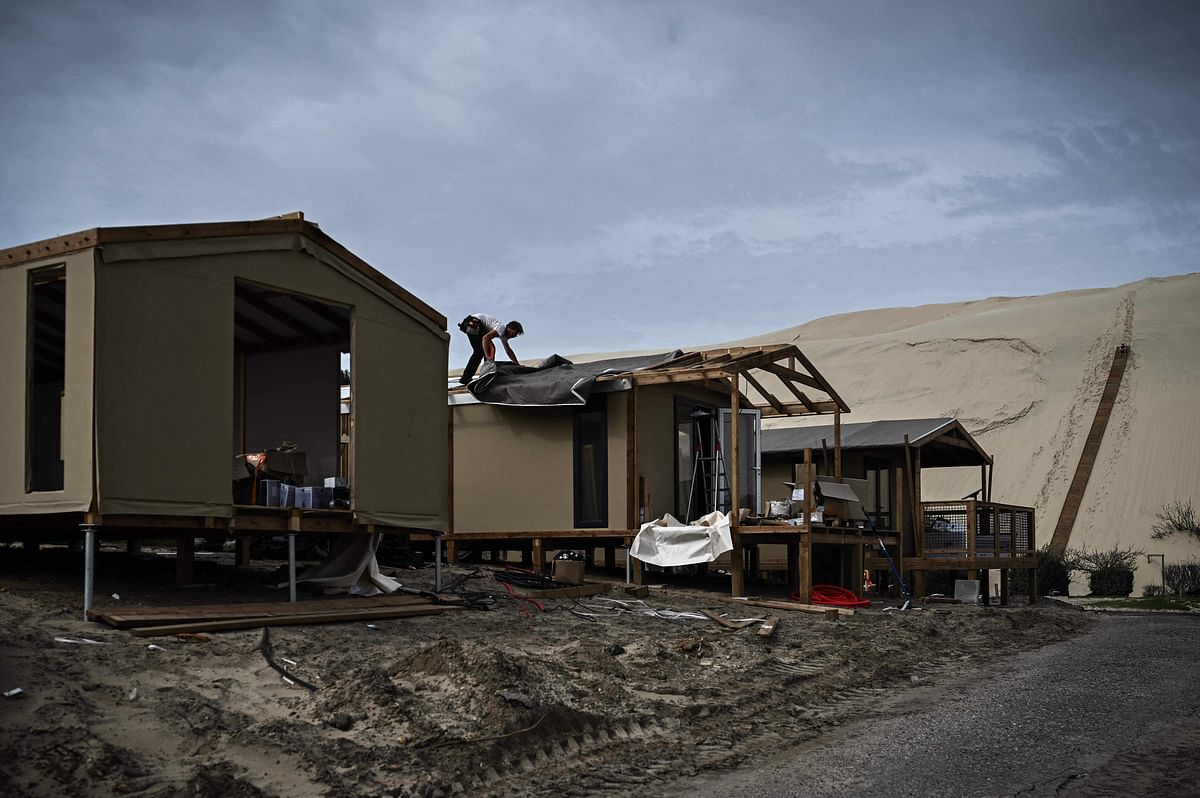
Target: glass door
x,y
749,458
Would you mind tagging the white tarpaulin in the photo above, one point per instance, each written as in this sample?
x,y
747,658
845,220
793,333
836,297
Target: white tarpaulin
x,y
351,568
668,541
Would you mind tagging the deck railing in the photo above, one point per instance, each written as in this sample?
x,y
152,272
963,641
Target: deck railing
x,y
976,529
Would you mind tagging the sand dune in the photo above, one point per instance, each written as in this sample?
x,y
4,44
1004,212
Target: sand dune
x,y
1025,375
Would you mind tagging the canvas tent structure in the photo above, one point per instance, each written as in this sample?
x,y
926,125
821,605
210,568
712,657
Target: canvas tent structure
x,y
140,361
579,455
883,461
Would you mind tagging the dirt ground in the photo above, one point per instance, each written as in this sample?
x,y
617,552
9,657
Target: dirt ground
x,y
584,698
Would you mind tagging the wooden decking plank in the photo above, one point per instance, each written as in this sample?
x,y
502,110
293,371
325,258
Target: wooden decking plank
x,y
301,619
142,616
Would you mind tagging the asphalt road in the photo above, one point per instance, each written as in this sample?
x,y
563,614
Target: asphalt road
x,y
1115,712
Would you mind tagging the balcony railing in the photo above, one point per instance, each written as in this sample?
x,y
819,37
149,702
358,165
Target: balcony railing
x,y
976,529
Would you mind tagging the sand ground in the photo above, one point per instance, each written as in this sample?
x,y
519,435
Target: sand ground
x,y
577,700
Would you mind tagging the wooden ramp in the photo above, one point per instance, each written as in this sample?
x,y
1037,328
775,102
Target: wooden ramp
x,y
1091,447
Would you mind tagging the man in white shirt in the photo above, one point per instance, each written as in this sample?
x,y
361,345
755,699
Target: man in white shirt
x,y
482,330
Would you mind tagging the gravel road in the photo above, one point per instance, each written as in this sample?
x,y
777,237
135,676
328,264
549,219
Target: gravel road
x,y
1115,712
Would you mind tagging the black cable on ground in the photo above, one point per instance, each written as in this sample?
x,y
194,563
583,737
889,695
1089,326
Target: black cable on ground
x,y
269,656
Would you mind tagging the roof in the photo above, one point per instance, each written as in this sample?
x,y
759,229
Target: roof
x,y
759,374
944,441
293,223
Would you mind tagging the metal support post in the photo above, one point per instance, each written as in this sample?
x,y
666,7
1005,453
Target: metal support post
x,y
89,566
628,568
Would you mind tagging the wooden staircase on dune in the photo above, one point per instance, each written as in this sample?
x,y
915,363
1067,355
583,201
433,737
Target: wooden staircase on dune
x,y
1091,447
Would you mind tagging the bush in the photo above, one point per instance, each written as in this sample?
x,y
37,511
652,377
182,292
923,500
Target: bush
x,y
1176,517
1053,575
1111,582
1183,578
1110,571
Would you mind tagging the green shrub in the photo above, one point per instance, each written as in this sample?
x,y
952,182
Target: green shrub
x,y
1111,582
1053,575
1183,578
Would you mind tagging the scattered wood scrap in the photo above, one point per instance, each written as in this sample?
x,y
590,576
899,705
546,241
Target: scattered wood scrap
x,y
156,621
728,624
769,626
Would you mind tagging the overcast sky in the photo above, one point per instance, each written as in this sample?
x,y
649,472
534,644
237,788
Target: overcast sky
x,y
629,175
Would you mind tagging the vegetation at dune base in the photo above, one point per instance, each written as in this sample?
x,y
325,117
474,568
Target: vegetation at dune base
x,y
1184,603
1176,518
1110,571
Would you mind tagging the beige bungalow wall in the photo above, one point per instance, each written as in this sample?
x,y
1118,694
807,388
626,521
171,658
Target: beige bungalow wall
x,y
514,467
164,365
76,495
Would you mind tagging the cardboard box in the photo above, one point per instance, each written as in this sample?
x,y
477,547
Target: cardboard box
x,y
568,571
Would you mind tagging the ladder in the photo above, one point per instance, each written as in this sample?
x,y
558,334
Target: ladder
x,y
709,471
1091,447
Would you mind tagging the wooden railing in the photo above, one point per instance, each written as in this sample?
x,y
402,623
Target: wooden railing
x,y
976,529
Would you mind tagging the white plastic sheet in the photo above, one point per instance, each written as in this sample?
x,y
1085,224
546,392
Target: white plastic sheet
x,y
667,541
351,567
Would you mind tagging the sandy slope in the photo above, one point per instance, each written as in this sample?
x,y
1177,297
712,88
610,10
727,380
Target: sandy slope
x,y
1025,375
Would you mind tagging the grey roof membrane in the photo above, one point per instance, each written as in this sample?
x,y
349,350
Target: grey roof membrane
x,y
863,435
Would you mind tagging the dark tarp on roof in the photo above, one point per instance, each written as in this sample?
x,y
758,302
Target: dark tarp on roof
x,y
554,382
878,435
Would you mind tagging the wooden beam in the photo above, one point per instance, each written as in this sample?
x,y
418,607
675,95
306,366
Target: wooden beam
x,y
837,443
264,306
825,386
775,403
792,375
632,515
801,410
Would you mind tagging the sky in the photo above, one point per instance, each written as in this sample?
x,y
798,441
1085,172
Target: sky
x,y
629,175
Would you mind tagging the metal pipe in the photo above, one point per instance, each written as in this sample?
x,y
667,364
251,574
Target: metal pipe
x,y
437,564
628,568
89,566
292,567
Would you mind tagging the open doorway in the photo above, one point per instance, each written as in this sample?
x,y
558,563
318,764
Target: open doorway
x,y
45,379
292,369
700,476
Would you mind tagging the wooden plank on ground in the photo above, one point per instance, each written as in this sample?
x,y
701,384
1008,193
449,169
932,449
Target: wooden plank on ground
x,y
300,619
795,606
576,591
144,616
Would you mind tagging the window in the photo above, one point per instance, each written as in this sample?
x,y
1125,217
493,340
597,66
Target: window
x,y
46,342
591,465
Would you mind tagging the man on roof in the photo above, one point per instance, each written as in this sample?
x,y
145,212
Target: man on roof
x,y
482,330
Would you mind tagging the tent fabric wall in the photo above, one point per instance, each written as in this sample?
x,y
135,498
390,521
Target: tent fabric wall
x,y
164,375
176,312
76,495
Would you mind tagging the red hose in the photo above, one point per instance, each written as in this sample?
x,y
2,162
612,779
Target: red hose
x,y
834,596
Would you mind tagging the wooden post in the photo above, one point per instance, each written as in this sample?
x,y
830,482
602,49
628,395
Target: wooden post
x,y
185,559
737,567
991,471
538,555
1033,587
825,457
983,483
636,569
735,451
972,527
856,564
806,582
132,546
837,443
450,470
915,511
985,586
793,567
919,584
899,521
241,557
610,558
632,494
1003,587
451,551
